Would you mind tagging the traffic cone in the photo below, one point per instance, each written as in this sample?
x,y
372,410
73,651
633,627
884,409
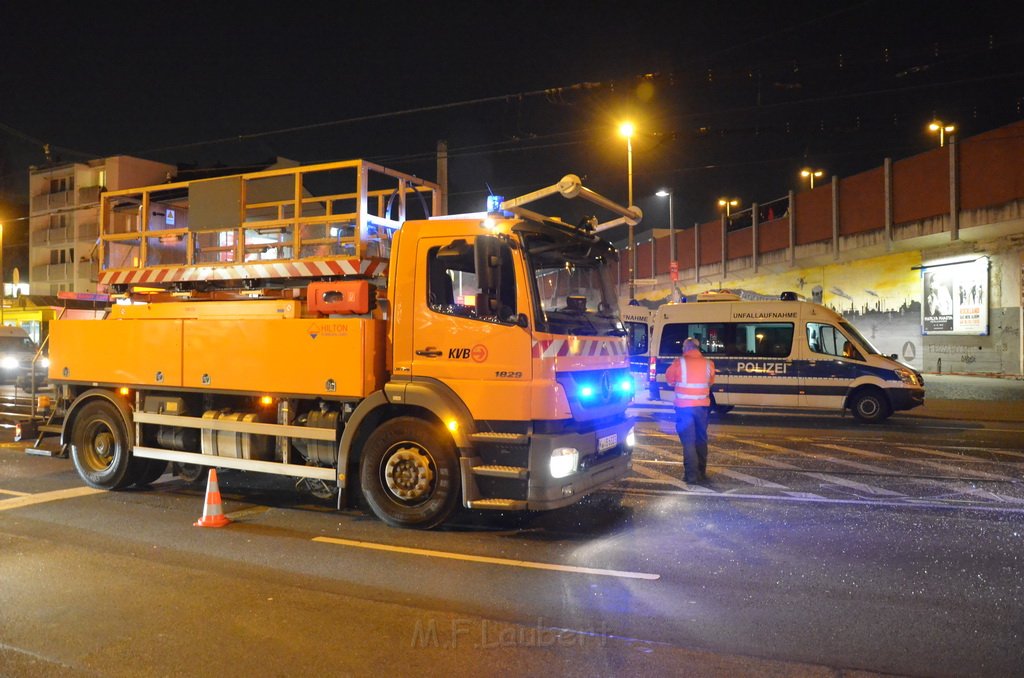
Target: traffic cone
x,y
213,513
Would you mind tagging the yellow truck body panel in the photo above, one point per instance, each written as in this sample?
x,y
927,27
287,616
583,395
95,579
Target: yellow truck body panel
x,y
339,357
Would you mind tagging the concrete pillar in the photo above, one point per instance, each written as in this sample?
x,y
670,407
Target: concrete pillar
x,y
887,174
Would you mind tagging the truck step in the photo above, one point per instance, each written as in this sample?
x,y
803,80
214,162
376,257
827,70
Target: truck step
x,y
49,428
499,504
496,471
504,438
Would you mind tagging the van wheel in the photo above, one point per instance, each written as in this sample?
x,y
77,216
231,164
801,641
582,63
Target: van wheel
x,y
409,473
870,406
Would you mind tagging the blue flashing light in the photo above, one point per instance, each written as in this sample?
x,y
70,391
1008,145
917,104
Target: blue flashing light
x,y
494,203
586,392
626,385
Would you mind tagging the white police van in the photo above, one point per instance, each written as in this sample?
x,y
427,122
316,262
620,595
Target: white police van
x,y
787,353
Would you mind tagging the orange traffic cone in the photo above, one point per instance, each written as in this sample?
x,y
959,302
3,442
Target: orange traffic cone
x,y
213,513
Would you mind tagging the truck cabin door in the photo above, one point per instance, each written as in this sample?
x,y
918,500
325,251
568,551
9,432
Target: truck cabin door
x,y
471,324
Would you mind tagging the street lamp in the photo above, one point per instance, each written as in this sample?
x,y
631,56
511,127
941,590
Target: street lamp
x,y
3,290
728,204
627,129
812,174
673,265
943,129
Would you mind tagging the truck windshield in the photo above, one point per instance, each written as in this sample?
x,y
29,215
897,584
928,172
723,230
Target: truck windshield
x,y
573,284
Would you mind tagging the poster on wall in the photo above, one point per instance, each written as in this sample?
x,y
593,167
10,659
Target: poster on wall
x,y
955,298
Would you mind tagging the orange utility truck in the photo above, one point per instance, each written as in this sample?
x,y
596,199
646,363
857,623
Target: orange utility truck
x,y
295,322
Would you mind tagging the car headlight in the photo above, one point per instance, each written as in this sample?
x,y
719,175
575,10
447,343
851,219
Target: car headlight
x,y
631,438
907,377
564,461
9,362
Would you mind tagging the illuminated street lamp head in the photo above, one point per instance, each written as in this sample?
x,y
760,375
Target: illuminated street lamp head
x,y
663,193
942,128
627,129
728,204
811,174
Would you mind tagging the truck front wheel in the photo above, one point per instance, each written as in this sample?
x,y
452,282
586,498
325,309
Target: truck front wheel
x,y
409,473
100,446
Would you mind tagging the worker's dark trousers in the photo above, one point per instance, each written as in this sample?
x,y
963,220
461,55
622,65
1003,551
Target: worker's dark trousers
x,y
692,427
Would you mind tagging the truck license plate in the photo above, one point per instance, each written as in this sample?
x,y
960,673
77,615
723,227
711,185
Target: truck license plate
x,y
607,442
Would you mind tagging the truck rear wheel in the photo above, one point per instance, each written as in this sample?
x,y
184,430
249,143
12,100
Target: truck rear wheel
x,y
409,473
100,446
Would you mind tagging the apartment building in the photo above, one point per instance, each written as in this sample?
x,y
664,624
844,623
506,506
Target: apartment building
x,y
64,217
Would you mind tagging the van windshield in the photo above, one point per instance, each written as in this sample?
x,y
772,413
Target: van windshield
x,y
17,345
852,331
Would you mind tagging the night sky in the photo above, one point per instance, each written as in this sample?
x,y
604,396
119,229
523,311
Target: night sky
x,y
730,98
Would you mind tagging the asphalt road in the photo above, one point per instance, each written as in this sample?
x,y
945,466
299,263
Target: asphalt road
x,y
819,546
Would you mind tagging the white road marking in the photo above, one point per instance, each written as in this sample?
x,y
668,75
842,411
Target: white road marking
x,y
961,458
927,463
622,574
826,477
670,480
43,497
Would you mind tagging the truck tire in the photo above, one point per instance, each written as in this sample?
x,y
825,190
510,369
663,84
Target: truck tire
x,y
101,447
870,406
409,473
149,471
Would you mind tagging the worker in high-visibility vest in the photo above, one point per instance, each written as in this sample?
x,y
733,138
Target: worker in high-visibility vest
x,y
691,375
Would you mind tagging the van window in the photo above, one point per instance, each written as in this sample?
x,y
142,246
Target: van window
x,y
748,340
636,336
828,340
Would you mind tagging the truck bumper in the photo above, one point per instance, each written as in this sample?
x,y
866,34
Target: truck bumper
x,y
597,467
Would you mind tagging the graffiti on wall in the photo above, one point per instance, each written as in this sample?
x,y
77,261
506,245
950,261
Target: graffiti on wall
x,y
881,296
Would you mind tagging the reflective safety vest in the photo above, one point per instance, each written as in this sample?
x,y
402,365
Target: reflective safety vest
x,y
692,374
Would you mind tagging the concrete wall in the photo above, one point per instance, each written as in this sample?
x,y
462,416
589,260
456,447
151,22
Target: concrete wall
x,y
880,214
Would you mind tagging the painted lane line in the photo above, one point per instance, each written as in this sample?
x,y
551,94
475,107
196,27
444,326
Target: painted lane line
x,y
750,480
958,486
622,574
927,463
960,458
14,493
904,503
43,497
671,480
826,477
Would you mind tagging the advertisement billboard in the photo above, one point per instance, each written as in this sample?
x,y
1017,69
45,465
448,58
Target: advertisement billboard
x,y
955,298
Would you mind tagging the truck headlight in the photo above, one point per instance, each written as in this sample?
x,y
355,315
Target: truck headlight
x,y
44,363
907,377
9,362
564,461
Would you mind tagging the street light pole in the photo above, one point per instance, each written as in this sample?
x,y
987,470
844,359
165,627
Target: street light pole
x,y
627,130
728,204
666,193
3,288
